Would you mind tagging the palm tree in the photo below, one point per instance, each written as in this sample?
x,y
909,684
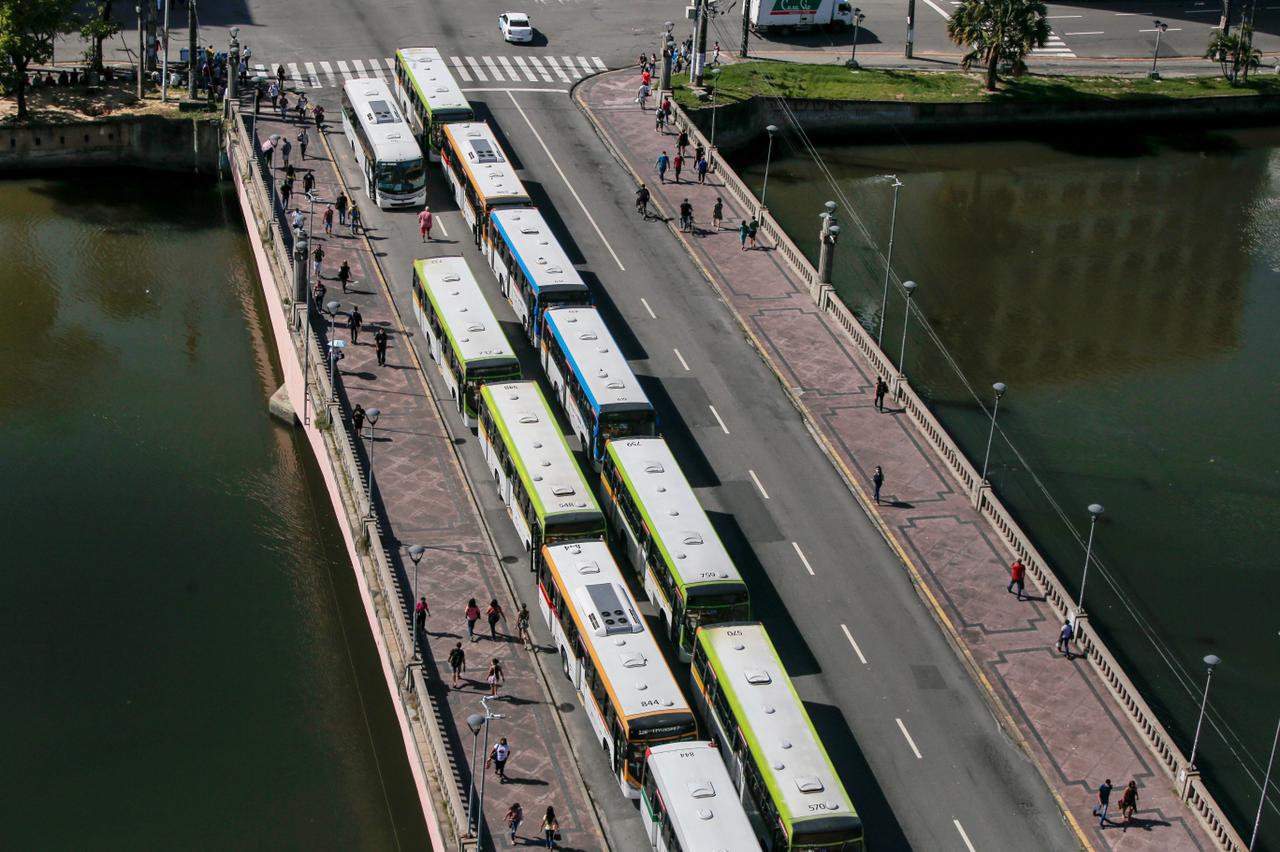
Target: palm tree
x,y
1235,53
998,31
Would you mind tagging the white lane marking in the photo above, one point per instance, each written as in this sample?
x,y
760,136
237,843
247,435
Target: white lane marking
x,y
555,66
599,63
359,66
570,67
438,222
1055,17
716,415
513,89
537,63
391,64
856,649
1091,32
963,836
910,741
343,69
645,302
294,73
313,79
524,68
376,68
586,66
462,71
560,172
328,72
756,480
1202,12
935,7
510,69
493,68
800,553
683,363
1170,30
262,70
475,69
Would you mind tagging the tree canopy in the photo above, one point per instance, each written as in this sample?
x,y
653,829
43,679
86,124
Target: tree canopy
x,y
998,32
27,31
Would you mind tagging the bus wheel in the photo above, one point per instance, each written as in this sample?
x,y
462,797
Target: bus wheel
x,y
564,664
604,745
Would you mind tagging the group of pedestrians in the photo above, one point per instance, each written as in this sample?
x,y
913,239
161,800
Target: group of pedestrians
x,y
1128,803
550,825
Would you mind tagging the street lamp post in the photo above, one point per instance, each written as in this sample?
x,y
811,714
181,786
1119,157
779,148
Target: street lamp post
x,y
233,66
715,86
1266,782
768,158
888,263
475,721
910,288
1095,511
372,416
164,60
416,552
1210,661
142,51
858,18
999,388
335,355
1160,26
668,49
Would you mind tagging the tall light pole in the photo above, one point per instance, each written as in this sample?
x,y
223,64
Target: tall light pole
x,y
142,52
1160,26
193,67
858,18
909,287
1095,511
416,552
334,345
768,157
164,61
372,416
999,388
699,63
888,263
911,27
668,49
1210,661
715,87
475,721
233,66
1266,782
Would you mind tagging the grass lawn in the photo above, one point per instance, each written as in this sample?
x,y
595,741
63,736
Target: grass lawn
x,y
745,80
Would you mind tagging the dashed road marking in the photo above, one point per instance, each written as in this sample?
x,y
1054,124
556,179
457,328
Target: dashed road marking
x,y
856,649
963,836
645,302
910,741
683,363
756,480
716,414
800,553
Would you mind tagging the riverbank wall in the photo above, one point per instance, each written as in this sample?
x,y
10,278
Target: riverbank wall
x,y
179,143
739,125
1126,701
310,392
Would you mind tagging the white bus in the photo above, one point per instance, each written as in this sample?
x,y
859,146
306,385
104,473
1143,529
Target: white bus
x,y
689,802
609,655
538,478
383,142
464,336
534,273
478,171
429,96
592,380
655,516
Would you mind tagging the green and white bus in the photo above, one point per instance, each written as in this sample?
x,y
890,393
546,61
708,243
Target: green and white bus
x,y
689,802
655,516
429,96
791,790
538,478
464,336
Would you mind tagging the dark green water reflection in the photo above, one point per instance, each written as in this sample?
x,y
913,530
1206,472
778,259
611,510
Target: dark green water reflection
x,y
1128,293
185,659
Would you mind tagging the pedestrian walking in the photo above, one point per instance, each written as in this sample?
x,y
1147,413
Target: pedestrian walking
x,y
344,275
678,164
522,626
318,256
877,480
420,613
274,91
550,828
642,201
752,228
1104,802
286,192
357,419
303,138
666,110
354,321
290,172
327,218
308,181
515,816
380,338
286,149
318,112
743,232
1017,577
317,293
284,107
457,663
473,615
1129,802
682,141
698,152
662,162
717,214
301,108
686,214
882,388
642,95
700,167
659,120
297,220
645,77
493,614
495,677
1064,641
498,757
355,219
342,208
424,223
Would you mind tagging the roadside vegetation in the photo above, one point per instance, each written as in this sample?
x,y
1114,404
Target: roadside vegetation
x,y
742,81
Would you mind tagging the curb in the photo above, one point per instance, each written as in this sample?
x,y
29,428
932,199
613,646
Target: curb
x,y
1002,714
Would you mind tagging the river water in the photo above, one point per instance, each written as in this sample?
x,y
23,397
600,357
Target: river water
x,y
185,658
1128,293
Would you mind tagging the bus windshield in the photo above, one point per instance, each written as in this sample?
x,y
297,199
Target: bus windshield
x,y
624,424
559,530
715,610
405,177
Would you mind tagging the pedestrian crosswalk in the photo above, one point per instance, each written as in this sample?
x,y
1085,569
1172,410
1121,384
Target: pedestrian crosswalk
x,y
1054,47
530,68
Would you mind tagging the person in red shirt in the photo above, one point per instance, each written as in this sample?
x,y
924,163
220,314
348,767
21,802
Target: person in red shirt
x,y
1017,574
646,77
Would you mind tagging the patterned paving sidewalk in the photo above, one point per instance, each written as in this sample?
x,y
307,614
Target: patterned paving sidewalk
x,y
1061,708
424,499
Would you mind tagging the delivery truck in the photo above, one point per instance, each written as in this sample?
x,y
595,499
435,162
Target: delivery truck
x,y
769,15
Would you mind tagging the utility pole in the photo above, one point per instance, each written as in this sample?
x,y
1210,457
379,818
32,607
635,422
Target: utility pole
x,y
700,50
192,67
142,52
233,67
746,27
164,63
911,27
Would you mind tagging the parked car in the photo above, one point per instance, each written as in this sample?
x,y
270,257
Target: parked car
x,y
515,27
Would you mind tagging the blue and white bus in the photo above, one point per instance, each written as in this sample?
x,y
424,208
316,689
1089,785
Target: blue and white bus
x,y
534,272
592,381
